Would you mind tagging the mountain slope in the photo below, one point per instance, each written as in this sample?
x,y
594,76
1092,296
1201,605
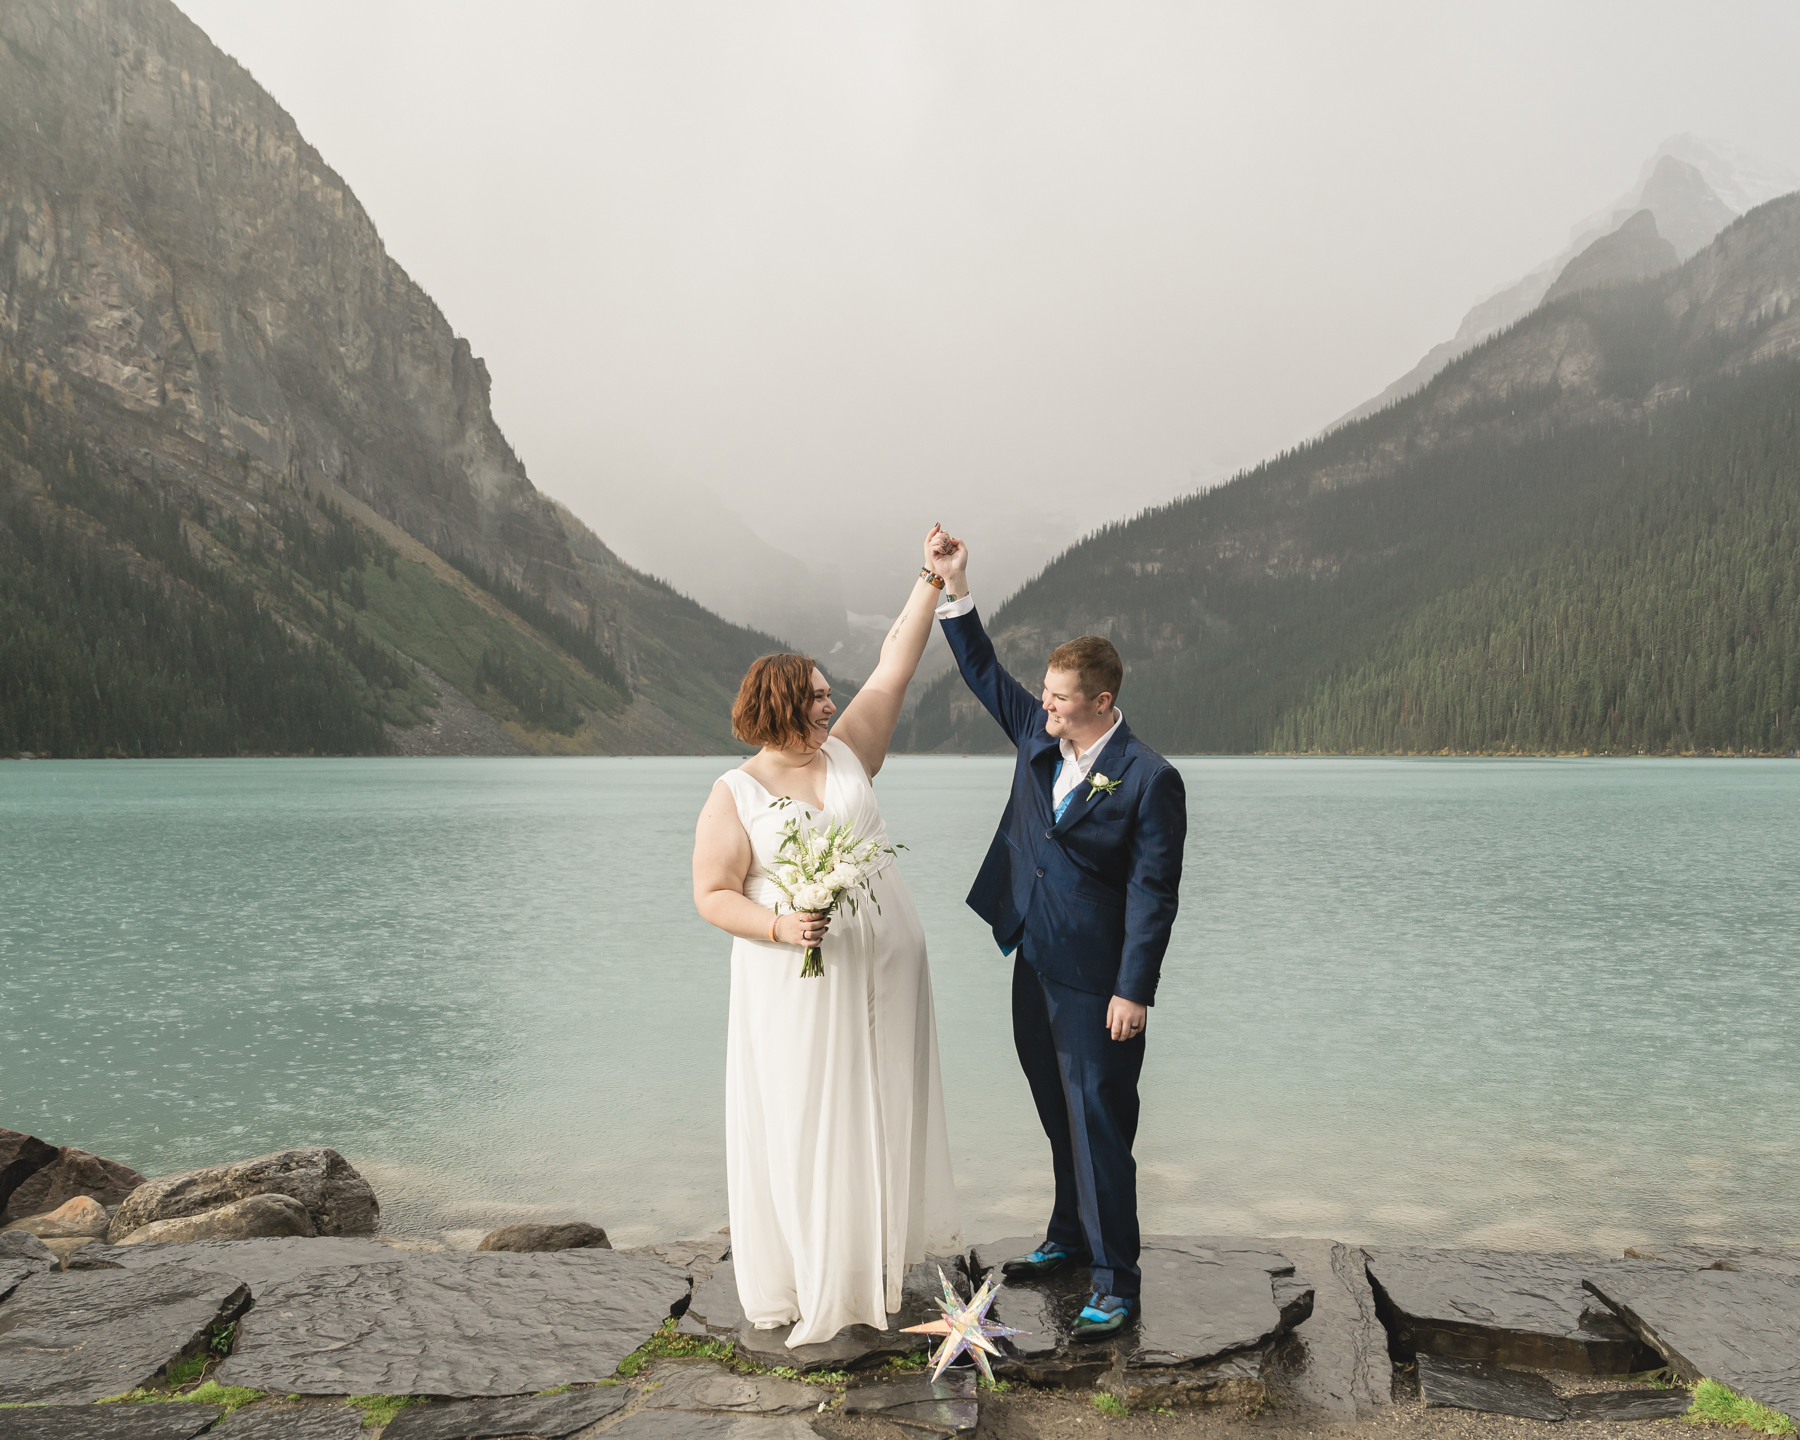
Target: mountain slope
x,y
1572,538
232,333
1693,187
1635,251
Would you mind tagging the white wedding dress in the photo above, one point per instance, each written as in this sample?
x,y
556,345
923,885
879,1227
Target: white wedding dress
x,y
835,1148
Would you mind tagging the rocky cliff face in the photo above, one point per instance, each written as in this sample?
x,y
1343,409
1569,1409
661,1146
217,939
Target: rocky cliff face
x,y
167,234
174,248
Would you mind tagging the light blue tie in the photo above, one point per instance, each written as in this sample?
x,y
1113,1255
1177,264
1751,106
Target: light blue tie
x,y
1062,804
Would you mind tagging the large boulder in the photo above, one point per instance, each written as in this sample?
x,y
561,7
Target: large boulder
x,y
21,1157
524,1239
37,1177
337,1199
80,1218
252,1218
67,1247
22,1256
22,1245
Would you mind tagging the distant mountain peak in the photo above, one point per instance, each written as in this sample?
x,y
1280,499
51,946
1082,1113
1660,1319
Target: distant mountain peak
x,y
1687,211
1693,186
1635,251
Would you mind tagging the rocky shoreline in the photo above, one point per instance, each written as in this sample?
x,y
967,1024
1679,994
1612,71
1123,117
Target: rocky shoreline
x,y
262,1297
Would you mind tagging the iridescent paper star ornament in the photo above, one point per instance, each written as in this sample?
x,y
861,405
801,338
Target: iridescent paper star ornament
x,y
964,1327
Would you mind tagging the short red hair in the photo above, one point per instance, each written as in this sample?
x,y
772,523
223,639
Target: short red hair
x,y
772,701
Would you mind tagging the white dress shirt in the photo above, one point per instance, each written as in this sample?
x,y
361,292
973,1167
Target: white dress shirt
x,y
1076,764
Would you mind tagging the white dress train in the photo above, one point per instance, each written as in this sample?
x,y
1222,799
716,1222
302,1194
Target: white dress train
x,y
836,1153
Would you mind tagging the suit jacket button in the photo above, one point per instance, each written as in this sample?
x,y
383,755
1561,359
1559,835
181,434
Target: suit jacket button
x,y
1040,873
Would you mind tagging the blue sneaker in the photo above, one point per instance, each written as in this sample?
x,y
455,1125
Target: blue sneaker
x,y
1041,1261
1102,1315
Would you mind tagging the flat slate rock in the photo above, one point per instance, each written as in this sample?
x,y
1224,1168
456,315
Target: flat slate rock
x,y
1720,1257
1505,1308
70,1339
290,1422
1739,1327
545,1417
1235,1380
264,1261
1337,1359
12,1272
707,1388
1470,1385
174,1421
1628,1404
679,1425
716,1312
451,1323
698,1257
947,1406
1203,1298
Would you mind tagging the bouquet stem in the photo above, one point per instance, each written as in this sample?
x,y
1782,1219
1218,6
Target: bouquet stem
x,y
811,967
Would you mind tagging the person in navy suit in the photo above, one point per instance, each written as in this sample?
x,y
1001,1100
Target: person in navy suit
x,y
1080,886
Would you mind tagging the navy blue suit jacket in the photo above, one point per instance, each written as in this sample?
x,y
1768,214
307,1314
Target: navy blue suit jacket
x,y
1090,897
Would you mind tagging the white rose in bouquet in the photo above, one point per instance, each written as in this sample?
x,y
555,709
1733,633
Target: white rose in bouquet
x,y
816,872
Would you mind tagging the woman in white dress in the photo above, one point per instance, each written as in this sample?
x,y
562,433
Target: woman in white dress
x,y
837,1159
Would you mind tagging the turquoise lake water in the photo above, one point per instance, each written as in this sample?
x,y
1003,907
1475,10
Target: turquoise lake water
x,y
1521,1003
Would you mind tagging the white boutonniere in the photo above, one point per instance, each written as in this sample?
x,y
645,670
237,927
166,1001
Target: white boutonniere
x,y
1100,785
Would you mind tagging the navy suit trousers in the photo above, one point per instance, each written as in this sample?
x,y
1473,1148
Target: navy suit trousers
x,y
1085,1084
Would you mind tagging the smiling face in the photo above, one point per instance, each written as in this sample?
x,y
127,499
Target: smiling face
x,y
819,711
1067,712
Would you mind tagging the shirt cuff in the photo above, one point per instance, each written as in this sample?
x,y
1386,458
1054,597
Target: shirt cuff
x,y
953,609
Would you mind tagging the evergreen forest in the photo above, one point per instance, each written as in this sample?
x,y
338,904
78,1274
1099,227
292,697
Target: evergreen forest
x,y
148,614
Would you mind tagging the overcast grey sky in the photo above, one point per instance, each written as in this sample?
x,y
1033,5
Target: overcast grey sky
x,y
1024,267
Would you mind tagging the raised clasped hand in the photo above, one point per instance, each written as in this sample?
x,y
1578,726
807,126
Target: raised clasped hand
x,y
945,554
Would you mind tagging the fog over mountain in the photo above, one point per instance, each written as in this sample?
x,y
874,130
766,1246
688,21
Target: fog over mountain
x,y
1687,192
767,289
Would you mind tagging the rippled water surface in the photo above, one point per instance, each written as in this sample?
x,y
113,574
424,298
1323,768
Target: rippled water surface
x,y
1509,1002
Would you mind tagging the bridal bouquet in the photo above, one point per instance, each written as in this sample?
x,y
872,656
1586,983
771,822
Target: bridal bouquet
x,y
818,870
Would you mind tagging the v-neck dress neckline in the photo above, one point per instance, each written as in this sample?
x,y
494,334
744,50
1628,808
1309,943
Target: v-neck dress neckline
x,y
824,788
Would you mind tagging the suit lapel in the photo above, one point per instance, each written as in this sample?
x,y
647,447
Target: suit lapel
x,y
1043,770
1112,762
